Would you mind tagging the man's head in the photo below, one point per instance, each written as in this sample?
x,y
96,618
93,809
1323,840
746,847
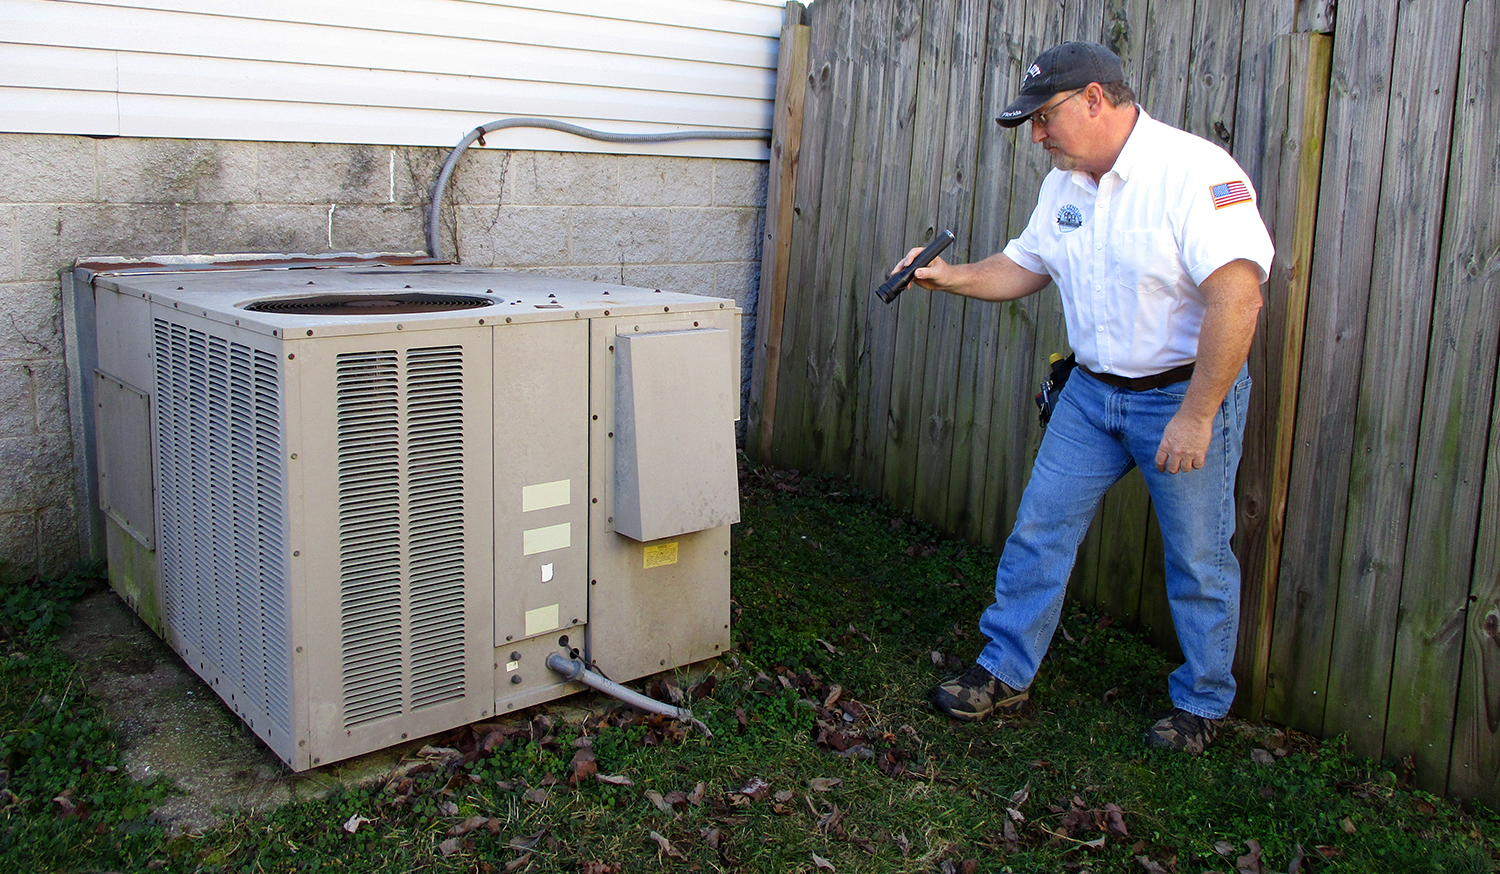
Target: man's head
x,y
1080,108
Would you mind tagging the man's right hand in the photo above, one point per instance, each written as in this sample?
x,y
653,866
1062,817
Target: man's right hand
x,y
936,276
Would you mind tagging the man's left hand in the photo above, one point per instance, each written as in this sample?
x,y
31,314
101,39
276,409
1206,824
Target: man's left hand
x,y
1184,445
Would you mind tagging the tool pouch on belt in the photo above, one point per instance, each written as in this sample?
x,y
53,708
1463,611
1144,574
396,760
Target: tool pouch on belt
x,y
1046,399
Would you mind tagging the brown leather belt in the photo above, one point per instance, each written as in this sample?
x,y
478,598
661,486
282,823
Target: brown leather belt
x,y
1143,383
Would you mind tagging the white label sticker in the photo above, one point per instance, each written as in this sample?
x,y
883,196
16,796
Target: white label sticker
x,y
541,619
547,572
535,540
512,666
544,495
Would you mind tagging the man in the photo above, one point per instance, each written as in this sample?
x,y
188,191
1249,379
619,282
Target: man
x,y
1154,240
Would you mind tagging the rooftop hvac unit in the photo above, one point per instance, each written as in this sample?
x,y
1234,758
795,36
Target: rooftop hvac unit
x,y
364,503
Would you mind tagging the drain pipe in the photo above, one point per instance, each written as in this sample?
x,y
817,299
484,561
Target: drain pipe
x,y
434,209
575,671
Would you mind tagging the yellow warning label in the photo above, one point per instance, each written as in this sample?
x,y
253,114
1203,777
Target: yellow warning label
x,y
658,554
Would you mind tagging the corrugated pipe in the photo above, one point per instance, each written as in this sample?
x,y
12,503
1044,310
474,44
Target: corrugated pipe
x,y
434,209
575,671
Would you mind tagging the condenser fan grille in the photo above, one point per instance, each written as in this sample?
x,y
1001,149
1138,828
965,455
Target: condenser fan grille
x,y
371,304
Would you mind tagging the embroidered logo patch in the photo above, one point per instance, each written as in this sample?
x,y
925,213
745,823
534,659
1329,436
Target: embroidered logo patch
x,y
1069,219
1031,71
1229,193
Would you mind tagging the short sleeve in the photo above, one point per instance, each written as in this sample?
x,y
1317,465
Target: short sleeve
x,y
1220,219
1025,249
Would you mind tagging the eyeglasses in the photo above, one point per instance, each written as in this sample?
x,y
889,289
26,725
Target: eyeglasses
x,y
1039,118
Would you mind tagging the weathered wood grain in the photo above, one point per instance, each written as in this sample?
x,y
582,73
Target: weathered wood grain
x,y
1333,353
1388,414
945,410
1288,203
776,243
903,432
1213,70
1447,547
787,443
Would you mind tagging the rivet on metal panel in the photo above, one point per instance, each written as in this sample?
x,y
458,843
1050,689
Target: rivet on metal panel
x,y
575,621
596,417
611,433
515,679
610,520
403,735
663,662
481,321
695,324
299,649
509,636
593,582
507,320
398,326
610,349
316,760
296,553
294,456
666,309
301,743
596,500
606,312
236,321
563,641
578,315
291,355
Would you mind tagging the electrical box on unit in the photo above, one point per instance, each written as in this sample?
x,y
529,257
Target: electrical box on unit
x,y
364,503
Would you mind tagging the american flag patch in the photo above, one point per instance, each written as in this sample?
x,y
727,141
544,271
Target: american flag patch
x,y
1228,193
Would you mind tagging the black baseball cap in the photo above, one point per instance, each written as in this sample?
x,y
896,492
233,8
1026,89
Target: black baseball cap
x,y
1061,68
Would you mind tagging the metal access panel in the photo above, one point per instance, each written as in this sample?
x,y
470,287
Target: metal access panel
x,y
674,433
664,602
541,479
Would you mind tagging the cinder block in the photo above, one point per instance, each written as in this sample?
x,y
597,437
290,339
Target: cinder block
x,y
49,388
39,472
739,280
609,273
660,181
415,171
57,543
137,170
482,176
32,326
17,546
739,183
562,179
54,237
38,168
513,236
17,413
685,278
10,260
384,228
257,228
715,234
298,173
620,236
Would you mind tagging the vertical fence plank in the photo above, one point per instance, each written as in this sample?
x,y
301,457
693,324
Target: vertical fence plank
x,y
1348,200
788,442
947,399
912,353
776,244
1289,196
1407,232
843,302
896,135
1462,377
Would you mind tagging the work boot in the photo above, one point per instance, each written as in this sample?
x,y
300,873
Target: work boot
x,y
975,694
1181,730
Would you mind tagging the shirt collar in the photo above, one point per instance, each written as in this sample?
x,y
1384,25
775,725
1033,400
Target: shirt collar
x,y
1136,145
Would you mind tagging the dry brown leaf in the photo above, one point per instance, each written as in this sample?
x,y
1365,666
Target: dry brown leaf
x,y
821,863
614,779
695,797
1262,757
462,828
1348,826
583,766
656,798
903,845
535,796
1020,796
448,847
667,848
1150,866
1250,862
1114,821
352,824
755,789
823,784
1223,848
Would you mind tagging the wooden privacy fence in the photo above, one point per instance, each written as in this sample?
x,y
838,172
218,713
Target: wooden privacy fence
x,y
1370,489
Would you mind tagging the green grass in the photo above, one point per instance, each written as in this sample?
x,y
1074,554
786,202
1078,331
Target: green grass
x,y
831,588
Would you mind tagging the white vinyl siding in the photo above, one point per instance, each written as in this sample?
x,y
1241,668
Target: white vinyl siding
x,y
390,72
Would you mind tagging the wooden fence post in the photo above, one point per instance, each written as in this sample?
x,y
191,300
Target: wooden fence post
x,y
776,245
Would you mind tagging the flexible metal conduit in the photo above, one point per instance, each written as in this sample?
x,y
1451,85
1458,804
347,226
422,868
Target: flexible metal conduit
x,y
574,670
434,209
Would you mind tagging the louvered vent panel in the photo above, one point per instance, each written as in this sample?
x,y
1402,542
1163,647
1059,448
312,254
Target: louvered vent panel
x,y
221,491
435,505
370,584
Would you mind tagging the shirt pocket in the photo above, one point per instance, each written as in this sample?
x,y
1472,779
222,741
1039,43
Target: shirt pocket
x,y
1148,262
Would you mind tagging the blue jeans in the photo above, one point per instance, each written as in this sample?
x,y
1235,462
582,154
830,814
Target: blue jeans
x,y
1097,434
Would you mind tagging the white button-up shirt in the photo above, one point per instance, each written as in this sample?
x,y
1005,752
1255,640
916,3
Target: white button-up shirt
x,y
1129,252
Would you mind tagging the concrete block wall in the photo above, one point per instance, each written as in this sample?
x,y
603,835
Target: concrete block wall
x,y
679,224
